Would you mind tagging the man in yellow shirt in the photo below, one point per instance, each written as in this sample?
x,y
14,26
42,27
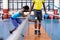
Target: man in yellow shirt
x,y
37,6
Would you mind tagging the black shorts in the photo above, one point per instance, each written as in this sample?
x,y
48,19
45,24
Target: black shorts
x,y
38,14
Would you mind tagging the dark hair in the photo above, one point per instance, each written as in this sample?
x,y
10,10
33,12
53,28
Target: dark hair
x,y
26,7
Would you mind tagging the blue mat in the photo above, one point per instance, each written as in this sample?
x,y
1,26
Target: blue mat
x,y
6,26
54,30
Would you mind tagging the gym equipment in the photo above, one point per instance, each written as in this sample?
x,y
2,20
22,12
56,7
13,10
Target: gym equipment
x,y
55,11
46,16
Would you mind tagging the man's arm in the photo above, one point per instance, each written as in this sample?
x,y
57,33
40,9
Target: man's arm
x,y
32,6
44,7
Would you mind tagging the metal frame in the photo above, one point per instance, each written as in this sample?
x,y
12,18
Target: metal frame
x,y
59,3
49,6
12,3
1,5
26,2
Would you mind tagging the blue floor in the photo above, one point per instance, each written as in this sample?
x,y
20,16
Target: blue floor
x,y
6,26
52,30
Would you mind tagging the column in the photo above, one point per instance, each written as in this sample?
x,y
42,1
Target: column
x,y
5,9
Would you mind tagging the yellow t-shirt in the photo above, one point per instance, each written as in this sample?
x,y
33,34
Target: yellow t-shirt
x,y
38,4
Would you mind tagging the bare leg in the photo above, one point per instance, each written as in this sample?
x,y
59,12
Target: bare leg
x,y
39,26
35,24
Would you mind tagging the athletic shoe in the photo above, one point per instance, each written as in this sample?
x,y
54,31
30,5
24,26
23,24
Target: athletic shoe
x,y
39,33
11,31
22,35
35,32
1,38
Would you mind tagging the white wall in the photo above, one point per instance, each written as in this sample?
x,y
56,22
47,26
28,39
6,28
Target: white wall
x,y
5,4
56,3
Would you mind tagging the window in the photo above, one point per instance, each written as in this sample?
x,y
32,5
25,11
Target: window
x,y
18,4
49,4
1,5
59,3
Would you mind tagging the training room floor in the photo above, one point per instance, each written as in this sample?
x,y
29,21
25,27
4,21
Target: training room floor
x,y
31,36
52,30
49,30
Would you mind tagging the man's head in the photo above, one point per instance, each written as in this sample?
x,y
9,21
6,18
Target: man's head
x,y
26,8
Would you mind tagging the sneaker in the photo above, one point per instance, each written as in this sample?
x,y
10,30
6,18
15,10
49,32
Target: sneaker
x,y
1,38
11,31
35,32
22,35
39,33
